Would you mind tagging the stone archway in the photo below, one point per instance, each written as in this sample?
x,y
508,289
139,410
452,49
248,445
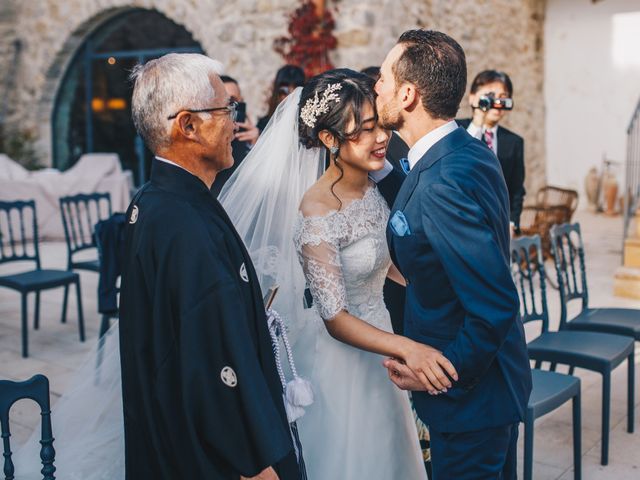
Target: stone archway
x,y
239,34
91,108
60,131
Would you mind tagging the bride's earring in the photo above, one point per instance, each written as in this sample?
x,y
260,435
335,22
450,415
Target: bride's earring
x,y
334,150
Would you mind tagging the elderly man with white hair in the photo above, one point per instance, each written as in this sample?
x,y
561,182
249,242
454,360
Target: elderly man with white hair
x,y
202,396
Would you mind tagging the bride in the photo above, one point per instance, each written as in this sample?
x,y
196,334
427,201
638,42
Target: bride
x,y
334,223
291,212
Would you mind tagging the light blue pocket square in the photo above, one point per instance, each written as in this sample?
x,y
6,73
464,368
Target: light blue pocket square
x,y
399,224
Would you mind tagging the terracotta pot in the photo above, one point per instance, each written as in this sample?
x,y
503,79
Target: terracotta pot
x,y
591,188
610,191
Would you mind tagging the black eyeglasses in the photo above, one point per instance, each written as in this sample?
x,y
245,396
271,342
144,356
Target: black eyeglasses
x,y
231,109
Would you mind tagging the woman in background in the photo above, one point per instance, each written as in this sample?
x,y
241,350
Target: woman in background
x,y
287,79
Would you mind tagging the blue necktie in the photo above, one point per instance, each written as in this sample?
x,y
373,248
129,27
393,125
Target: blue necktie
x,y
404,163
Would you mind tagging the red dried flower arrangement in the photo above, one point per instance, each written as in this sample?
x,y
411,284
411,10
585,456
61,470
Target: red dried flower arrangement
x,y
310,38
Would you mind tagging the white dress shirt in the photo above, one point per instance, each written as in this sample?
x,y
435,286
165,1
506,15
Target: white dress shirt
x,y
478,132
171,163
419,149
422,146
379,175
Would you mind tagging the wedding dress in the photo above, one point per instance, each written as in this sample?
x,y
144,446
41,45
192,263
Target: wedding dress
x,y
360,426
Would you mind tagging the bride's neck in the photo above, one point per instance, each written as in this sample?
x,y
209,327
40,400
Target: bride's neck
x,y
350,178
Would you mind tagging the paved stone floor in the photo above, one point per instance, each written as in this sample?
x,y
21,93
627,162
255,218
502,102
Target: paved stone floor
x,y
55,351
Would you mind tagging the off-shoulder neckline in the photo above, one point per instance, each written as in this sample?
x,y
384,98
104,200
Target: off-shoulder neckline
x,y
356,201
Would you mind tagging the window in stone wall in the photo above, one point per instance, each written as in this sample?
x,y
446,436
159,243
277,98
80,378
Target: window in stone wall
x,y
93,105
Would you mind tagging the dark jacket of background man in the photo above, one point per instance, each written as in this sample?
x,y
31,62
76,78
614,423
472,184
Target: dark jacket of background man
x,y
511,157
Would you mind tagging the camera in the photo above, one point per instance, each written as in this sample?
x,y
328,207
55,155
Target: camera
x,y
241,112
487,102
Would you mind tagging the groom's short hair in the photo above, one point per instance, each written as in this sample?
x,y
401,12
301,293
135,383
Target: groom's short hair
x,y
435,63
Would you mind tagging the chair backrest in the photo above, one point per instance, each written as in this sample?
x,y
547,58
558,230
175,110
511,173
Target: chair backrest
x,y
529,276
568,258
80,213
19,232
549,196
36,389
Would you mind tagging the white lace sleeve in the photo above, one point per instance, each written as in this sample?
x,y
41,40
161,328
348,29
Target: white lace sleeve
x,y
319,255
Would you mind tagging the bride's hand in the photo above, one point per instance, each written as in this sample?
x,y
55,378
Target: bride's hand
x,y
430,367
403,377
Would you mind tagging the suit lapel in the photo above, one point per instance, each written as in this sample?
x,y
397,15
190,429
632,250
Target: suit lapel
x,y
456,139
396,149
408,186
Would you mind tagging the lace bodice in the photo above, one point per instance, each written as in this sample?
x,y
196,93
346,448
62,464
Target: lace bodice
x,y
345,257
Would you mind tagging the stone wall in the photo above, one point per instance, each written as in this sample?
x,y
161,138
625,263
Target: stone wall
x,y
241,34
513,43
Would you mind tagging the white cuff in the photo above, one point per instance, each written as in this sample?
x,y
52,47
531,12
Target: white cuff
x,y
381,174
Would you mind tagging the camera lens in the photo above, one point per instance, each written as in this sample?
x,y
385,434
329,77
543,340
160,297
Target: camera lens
x,y
484,103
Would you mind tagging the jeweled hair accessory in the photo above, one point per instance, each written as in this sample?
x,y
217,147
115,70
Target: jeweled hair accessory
x,y
314,107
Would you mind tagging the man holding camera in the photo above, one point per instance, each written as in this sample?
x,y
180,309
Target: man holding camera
x,y
490,99
245,137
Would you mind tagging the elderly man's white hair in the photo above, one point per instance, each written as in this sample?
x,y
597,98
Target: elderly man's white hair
x,y
166,85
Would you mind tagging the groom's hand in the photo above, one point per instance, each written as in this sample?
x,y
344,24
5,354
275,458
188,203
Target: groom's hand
x,y
429,366
435,382
404,378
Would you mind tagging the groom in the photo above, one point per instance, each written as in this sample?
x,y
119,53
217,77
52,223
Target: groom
x,y
449,236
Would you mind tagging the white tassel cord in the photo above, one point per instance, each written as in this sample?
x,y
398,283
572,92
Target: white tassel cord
x,y
298,393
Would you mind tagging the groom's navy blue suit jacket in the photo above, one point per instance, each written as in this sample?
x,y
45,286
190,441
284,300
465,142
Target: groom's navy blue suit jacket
x,y
461,298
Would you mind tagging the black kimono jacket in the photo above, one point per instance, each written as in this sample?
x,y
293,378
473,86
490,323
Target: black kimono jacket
x,y
202,397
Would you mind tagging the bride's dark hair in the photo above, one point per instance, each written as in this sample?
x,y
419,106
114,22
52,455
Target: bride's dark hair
x,y
356,91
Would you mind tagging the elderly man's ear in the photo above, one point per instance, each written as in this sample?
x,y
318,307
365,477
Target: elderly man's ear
x,y
187,124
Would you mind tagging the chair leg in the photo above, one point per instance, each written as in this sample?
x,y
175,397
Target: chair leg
x,y
528,447
36,319
25,327
577,438
64,304
80,316
104,325
631,386
606,414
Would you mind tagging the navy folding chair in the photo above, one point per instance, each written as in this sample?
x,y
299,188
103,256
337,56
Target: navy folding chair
x,y
36,389
550,389
80,214
595,351
568,249
19,243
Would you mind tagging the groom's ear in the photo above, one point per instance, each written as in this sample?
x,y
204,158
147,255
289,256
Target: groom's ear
x,y
408,96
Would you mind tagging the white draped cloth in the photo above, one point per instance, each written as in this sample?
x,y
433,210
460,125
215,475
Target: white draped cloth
x,y
94,172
